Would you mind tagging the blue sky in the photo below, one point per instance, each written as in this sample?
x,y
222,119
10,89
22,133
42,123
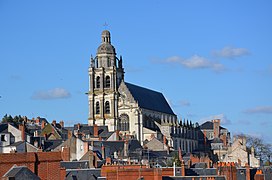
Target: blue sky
x,y
211,59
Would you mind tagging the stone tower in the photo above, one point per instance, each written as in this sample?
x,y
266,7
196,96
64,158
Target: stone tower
x,y
105,75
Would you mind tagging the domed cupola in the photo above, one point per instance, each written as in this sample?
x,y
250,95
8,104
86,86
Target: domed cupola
x,y
106,47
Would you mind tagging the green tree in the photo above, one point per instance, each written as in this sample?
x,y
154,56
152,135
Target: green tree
x,y
9,119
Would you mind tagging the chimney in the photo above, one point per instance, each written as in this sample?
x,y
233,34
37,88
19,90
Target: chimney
x,y
164,140
86,147
117,135
216,126
54,123
247,172
180,154
108,161
22,129
95,130
25,119
103,151
182,168
91,160
126,148
70,134
37,121
62,123
43,124
65,153
259,175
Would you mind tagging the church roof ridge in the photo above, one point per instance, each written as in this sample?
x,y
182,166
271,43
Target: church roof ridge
x,y
149,99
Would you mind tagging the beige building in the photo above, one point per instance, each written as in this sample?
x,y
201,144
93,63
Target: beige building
x,y
238,153
133,110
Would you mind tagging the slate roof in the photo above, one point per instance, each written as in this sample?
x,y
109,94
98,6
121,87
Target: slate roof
x,y
17,143
74,164
208,125
91,174
149,99
3,128
102,130
20,172
51,144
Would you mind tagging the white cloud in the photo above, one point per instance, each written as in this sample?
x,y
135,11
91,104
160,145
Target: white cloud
x,y
231,52
56,93
259,109
184,103
222,117
196,62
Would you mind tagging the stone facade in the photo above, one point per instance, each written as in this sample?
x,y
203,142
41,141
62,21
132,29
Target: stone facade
x,y
132,110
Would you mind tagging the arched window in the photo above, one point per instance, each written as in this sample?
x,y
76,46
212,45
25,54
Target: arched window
x,y
123,124
107,107
98,82
107,82
97,108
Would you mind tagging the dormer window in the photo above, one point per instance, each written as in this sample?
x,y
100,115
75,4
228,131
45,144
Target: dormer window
x,y
3,137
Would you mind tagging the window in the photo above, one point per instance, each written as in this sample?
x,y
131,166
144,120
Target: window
x,y
98,82
107,84
97,108
107,107
3,137
123,124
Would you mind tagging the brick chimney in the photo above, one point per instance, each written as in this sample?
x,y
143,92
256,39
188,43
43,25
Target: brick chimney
x,y
180,154
216,126
247,172
22,129
259,175
95,130
65,153
43,124
182,168
61,123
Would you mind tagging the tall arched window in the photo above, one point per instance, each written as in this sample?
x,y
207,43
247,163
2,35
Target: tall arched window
x,y
98,82
97,108
123,124
107,107
107,82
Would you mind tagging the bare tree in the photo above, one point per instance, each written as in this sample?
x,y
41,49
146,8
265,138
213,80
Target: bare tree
x,y
261,149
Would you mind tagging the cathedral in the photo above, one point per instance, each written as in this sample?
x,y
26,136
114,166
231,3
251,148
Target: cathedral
x,y
130,109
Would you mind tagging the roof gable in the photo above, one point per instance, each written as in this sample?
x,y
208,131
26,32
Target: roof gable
x,y
149,99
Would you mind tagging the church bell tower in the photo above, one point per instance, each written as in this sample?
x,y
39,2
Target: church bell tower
x,y
105,75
